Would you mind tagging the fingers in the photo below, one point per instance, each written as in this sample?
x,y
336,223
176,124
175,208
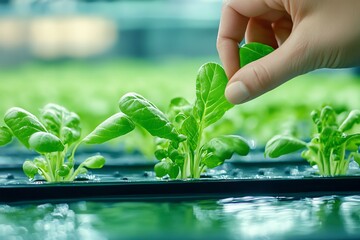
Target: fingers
x,y
268,72
231,32
260,31
282,29
233,24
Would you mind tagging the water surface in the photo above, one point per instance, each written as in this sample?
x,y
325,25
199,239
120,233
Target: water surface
x,y
329,217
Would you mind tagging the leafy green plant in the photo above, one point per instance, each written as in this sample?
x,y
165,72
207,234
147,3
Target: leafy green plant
x,y
334,144
56,136
183,148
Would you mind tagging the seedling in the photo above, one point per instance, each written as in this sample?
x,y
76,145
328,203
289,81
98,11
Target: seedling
x,y
182,147
334,144
54,135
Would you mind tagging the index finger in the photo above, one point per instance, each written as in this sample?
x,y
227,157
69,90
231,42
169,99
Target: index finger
x,y
234,19
231,32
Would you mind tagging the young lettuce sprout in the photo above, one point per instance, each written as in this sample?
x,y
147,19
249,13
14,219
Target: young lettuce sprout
x,y
181,145
54,135
332,147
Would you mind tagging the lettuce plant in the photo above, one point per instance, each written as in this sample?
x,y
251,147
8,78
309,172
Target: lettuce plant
x,y
334,144
182,148
55,136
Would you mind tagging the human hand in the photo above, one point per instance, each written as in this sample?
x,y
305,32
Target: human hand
x,y
307,35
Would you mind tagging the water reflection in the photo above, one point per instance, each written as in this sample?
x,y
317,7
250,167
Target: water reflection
x,y
231,218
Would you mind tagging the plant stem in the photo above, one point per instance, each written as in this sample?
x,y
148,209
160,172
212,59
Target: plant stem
x,y
321,165
185,166
58,165
48,161
71,158
45,175
196,166
202,169
76,172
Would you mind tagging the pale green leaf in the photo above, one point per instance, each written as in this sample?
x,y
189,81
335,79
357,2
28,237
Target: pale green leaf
x,y
147,115
221,148
5,135
30,169
352,119
211,103
117,125
23,124
94,162
61,122
44,142
280,145
191,130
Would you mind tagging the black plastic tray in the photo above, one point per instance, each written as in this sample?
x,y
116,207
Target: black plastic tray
x,y
131,178
177,190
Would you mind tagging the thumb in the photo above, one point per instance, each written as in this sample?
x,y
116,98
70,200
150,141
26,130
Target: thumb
x,y
268,72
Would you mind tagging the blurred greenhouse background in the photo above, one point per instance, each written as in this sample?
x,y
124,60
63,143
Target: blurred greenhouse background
x,y
85,55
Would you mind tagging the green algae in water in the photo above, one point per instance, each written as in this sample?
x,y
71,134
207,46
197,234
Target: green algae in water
x,y
231,218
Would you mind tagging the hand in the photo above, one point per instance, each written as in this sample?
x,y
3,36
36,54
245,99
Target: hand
x,y
307,35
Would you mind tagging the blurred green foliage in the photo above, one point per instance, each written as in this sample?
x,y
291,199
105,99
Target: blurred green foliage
x,y
92,89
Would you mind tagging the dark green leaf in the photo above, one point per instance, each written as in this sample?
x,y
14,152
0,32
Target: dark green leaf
x,y
160,154
23,124
173,171
117,125
175,156
332,137
61,122
94,162
223,147
30,169
212,161
353,142
44,142
253,51
162,168
211,103
64,170
280,145
315,116
5,135
352,119
328,116
165,167
147,115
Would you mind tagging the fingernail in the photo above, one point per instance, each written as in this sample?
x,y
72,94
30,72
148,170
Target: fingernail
x,y
236,92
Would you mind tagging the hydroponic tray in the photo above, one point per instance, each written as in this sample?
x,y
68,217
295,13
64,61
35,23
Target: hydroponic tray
x,y
177,190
